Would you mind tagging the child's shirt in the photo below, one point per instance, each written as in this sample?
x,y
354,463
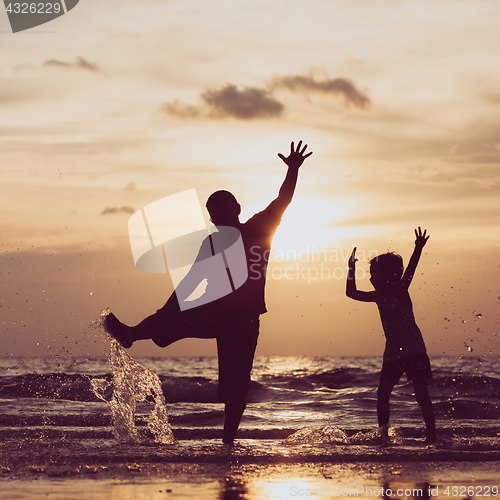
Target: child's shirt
x,y
403,337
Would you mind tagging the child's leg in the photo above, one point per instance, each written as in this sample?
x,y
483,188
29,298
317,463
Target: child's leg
x,y
423,399
389,377
383,394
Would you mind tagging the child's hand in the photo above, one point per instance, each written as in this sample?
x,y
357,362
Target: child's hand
x,y
352,258
421,239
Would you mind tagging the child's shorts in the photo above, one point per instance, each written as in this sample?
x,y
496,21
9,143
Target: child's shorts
x,y
416,366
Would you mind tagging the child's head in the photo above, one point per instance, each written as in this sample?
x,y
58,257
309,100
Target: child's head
x,y
386,269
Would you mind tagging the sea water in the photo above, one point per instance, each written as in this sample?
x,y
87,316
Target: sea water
x,y
299,408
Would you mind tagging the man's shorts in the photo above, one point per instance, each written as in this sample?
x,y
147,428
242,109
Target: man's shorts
x,y
416,366
236,333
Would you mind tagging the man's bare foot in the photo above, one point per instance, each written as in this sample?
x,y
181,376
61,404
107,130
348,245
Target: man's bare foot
x,y
431,439
117,330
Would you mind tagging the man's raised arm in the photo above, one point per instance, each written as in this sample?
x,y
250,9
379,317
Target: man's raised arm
x,y
294,160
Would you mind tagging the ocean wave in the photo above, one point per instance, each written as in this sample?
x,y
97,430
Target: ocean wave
x,y
342,383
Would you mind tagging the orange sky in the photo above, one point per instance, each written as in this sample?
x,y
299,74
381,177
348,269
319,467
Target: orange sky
x,y
117,104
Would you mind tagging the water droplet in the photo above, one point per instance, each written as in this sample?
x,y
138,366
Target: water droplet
x,y
468,347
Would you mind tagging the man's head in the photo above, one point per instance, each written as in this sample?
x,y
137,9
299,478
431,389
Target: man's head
x,y
223,208
386,269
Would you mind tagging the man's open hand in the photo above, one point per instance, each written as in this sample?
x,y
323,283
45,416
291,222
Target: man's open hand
x,y
296,156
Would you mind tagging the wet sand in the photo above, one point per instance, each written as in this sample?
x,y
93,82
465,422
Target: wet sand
x,y
135,481
105,469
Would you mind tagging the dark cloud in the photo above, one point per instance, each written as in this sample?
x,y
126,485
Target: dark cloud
x,y
181,110
340,87
116,210
251,103
245,104
80,63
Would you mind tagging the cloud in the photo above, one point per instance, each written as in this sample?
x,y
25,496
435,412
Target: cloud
x,y
250,103
80,63
245,104
116,210
351,95
181,110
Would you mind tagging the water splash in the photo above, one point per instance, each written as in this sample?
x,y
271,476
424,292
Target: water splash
x,y
376,437
334,435
325,435
131,384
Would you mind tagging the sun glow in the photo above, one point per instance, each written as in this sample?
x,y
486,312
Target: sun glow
x,y
283,488
309,224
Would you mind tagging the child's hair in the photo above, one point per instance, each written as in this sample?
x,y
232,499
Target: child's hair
x,y
388,265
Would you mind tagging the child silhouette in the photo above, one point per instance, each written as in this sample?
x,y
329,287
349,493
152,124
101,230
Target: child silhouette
x,y
405,350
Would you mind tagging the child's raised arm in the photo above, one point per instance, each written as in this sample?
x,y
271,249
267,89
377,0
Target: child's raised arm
x,y
420,241
351,291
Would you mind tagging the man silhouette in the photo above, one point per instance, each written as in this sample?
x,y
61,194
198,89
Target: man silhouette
x,y
233,319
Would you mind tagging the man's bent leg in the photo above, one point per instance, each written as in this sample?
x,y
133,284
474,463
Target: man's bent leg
x,y
166,326
151,327
198,323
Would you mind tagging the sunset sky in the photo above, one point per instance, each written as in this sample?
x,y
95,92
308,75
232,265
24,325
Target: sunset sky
x,y
120,103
